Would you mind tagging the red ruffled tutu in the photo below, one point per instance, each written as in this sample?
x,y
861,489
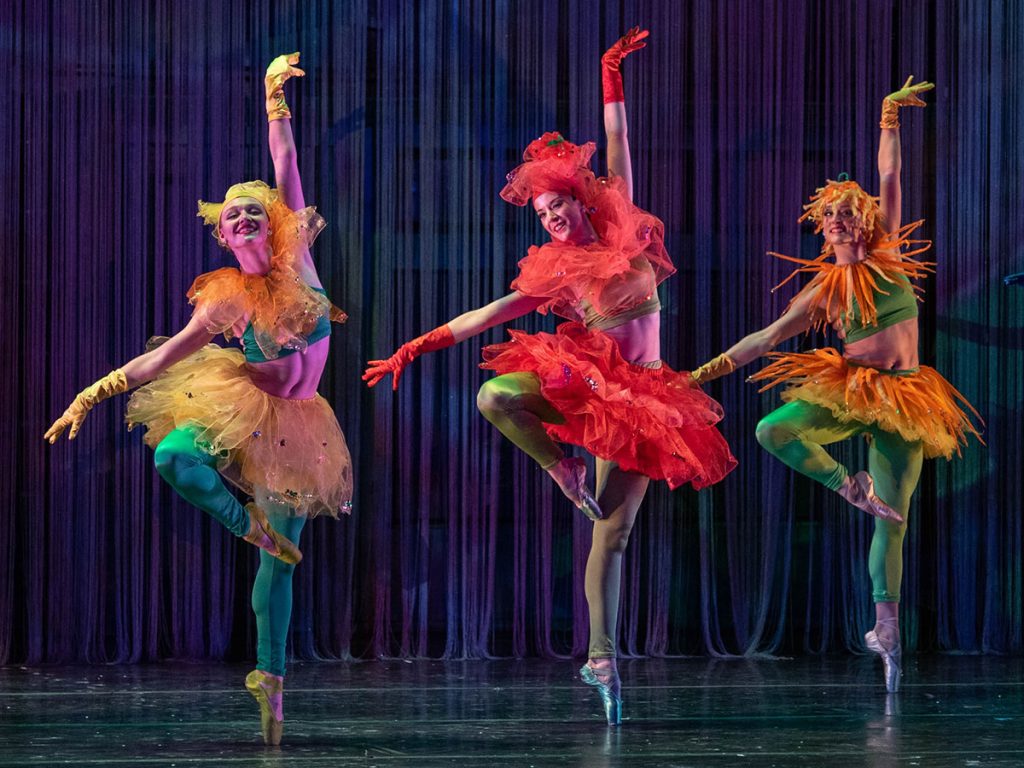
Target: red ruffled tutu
x,y
646,420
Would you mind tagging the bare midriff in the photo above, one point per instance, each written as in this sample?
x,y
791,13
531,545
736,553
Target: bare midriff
x,y
639,339
295,376
892,348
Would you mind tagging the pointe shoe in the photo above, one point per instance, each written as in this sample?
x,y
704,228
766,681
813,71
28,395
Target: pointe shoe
x,y
263,535
608,688
262,687
891,659
859,490
574,473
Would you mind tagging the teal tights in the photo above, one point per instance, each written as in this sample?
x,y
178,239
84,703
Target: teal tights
x,y
796,432
191,472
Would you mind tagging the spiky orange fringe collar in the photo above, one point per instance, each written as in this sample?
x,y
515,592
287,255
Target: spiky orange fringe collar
x,y
835,286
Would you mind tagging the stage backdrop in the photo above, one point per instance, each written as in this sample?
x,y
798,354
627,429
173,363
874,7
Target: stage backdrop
x,y
118,115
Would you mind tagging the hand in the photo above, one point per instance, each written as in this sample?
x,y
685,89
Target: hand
x,y
439,338
627,44
377,370
280,70
72,417
112,384
278,73
907,95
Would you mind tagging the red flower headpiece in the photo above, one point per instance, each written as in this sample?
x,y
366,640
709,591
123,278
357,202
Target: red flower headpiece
x,y
552,164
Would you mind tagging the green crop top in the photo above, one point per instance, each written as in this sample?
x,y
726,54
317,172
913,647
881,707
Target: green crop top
x,y
896,305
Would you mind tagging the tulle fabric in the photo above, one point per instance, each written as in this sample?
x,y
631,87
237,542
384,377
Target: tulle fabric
x,y
283,310
919,405
617,272
647,420
294,449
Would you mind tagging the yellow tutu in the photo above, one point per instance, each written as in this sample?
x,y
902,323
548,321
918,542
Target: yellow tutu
x,y
294,449
917,405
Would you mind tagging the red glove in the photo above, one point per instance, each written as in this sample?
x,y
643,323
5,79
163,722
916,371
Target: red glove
x,y
439,338
611,76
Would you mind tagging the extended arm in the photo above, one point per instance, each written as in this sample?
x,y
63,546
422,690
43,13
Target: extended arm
x,y
615,127
136,371
889,152
282,143
797,319
457,329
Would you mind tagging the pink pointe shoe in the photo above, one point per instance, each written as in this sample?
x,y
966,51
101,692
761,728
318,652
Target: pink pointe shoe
x,y
859,490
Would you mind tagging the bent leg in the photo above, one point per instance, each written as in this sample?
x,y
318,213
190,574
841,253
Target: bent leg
x,y
619,495
191,472
513,403
272,591
795,434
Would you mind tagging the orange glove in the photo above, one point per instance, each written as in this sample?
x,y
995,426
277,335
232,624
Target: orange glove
x,y
611,75
904,97
114,383
439,338
715,368
280,70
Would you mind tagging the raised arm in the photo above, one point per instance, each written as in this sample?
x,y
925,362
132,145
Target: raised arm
x,y
457,329
282,143
136,371
615,127
889,157
796,319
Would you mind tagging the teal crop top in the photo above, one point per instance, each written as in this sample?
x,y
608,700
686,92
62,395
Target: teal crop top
x,y
896,305
253,353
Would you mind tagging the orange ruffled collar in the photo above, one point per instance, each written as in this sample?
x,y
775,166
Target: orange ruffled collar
x,y
835,286
282,309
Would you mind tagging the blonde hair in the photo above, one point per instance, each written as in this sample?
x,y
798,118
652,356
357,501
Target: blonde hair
x,y
836,193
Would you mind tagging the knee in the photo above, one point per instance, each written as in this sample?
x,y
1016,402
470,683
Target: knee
x,y
173,462
492,398
612,538
772,435
169,461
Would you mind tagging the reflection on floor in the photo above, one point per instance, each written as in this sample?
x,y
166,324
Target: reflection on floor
x,y
952,711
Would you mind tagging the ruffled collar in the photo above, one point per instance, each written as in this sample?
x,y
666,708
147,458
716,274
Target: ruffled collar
x,y
282,309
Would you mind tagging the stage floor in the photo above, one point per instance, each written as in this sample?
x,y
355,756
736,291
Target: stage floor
x,y
952,711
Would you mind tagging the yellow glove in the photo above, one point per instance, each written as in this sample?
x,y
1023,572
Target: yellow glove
x,y
904,97
280,70
114,383
714,369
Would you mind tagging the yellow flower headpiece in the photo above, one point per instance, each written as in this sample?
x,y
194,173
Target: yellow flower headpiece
x,y
845,190
260,190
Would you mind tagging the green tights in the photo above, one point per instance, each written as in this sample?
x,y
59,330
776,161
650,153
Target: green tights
x,y
513,403
796,432
191,471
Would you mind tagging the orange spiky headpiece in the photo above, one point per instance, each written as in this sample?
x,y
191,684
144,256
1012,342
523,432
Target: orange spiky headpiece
x,y
836,193
259,190
551,164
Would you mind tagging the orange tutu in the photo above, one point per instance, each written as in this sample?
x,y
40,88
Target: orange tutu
x,y
646,420
918,405
294,449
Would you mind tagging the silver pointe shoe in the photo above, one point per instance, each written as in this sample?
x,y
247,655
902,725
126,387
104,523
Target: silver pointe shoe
x,y
892,660
582,497
609,690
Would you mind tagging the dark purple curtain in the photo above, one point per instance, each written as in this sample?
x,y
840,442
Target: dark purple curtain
x,y
118,115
